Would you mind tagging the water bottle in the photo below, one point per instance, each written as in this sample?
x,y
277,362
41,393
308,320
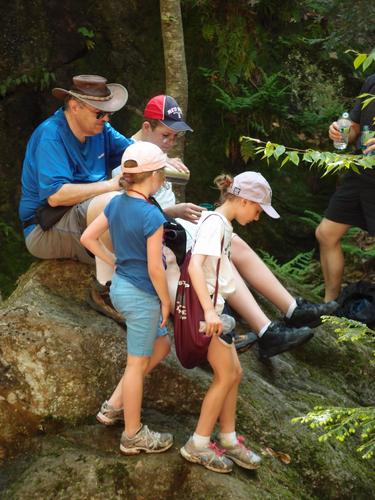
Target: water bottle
x,y
344,127
228,323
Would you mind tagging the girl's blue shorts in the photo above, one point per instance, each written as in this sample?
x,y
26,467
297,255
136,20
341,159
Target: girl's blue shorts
x,y
142,315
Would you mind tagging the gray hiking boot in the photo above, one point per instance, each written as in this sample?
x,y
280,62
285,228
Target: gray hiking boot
x,y
210,457
107,415
145,440
241,455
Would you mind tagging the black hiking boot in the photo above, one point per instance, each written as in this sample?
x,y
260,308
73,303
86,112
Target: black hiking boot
x,y
99,299
244,341
308,313
280,338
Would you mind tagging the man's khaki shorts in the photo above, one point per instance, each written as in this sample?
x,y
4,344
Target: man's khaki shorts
x,y
62,241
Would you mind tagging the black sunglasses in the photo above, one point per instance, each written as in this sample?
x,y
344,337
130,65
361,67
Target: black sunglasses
x,y
102,114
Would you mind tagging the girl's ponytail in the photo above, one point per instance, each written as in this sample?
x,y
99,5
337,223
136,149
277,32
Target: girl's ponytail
x,y
223,182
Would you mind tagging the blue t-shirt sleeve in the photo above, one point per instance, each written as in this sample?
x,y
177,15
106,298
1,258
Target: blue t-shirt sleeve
x,y
53,167
152,221
117,143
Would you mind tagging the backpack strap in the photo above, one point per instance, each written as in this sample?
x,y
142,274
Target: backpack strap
x,y
219,260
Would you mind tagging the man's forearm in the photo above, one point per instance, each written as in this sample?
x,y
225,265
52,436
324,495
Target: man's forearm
x,y
71,194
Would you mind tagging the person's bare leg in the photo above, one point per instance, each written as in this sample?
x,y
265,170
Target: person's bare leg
x,y
255,272
132,390
227,416
225,377
329,235
162,347
103,270
245,305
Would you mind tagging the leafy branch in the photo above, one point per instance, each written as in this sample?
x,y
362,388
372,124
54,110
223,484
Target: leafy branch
x,y
338,422
331,162
362,59
40,77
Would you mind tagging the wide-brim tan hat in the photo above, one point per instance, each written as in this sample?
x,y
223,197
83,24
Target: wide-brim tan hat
x,y
96,92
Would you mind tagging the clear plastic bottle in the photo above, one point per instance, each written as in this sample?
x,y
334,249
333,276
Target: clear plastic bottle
x,y
228,323
344,127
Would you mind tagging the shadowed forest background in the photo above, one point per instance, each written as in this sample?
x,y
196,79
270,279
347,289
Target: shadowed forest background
x,y
268,69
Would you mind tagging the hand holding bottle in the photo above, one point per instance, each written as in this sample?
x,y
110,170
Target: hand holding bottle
x,y
339,132
368,141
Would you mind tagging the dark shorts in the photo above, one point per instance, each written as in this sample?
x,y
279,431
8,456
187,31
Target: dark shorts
x,y
354,203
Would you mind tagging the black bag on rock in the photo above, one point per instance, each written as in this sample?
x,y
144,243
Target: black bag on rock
x,y
357,301
47,216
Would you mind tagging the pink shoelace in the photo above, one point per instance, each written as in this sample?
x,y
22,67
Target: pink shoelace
x,y
218,451
241,441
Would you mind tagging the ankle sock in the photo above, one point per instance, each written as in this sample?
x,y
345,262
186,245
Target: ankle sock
x,y
264,329
228,439
200,441
291,309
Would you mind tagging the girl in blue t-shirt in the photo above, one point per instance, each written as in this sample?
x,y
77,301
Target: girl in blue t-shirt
x,y
139,288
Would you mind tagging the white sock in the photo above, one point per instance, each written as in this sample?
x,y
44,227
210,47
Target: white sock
x,y
103,271
200,441
291,309
228,439
264,329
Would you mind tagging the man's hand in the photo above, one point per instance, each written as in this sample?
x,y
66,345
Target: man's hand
x,y
114,183
334,132
370,147
178,165
336,136
188,211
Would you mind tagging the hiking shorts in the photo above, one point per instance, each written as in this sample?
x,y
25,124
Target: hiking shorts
x,y
142,315
62,241
354,203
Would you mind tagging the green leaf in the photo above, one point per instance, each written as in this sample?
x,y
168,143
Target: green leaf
x,y
285,160
359,60
368,61
294,158
280,149
366,102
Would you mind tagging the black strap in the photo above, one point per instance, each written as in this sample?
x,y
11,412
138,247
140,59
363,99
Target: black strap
x,y
29,222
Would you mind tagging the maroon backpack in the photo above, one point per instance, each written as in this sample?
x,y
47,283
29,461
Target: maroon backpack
x,y
191,344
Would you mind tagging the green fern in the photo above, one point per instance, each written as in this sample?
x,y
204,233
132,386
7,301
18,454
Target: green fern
x,y
302,269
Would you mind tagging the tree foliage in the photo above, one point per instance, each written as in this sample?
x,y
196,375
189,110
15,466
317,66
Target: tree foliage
x,y
338,422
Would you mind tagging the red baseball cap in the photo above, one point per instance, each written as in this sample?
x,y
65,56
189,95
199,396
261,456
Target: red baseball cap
x,y
165,109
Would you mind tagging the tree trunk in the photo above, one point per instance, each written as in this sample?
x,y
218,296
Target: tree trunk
x,y
176,80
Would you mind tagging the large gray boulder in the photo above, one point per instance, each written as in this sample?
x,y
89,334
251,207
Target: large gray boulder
x,y
59,360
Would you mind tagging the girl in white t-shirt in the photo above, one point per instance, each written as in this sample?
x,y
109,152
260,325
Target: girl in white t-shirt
x,y
243,200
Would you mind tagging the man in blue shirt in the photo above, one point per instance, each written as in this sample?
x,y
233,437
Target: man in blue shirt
x,y
68,162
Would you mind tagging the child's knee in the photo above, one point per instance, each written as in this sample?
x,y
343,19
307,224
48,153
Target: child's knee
x,y
238,374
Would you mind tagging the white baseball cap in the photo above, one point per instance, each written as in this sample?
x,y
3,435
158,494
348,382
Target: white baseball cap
x,y
147,156
253,186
